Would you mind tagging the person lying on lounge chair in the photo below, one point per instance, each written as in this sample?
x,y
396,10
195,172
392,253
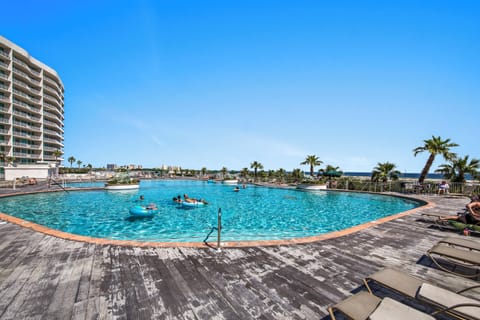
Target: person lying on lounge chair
x,y
470,216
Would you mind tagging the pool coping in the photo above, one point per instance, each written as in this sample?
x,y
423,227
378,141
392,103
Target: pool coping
x,y
227,244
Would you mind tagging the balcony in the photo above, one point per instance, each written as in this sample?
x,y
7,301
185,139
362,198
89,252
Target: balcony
x,y
53,83
25,66
25,86
25,155
26,106
26,116
26,145
4,120
4,99
52,117
26,135
53,141
51,98
25,125
4,76
52,133
23,75
52,92
4,87
53,108
4,54
26,96
52,125
4,65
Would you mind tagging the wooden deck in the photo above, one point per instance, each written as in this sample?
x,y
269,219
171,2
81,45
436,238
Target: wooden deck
x,y
44,277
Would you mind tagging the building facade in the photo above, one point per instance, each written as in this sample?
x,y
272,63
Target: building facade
x,y
31,109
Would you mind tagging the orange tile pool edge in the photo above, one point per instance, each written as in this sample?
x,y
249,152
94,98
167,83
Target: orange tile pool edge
x,y
228,244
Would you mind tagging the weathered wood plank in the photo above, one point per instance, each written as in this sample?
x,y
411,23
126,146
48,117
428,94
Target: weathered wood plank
x,y
46,277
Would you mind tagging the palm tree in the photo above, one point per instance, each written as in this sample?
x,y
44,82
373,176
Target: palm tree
x,y
458,167
71,160
10,160
224,171
434,146
244,173
313,161
57,154
79,162
204,171
297,174
255,165
281,173
384,171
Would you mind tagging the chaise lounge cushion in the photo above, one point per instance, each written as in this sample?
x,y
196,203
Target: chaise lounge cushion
x,y
394,310
446,298
461,242
471,257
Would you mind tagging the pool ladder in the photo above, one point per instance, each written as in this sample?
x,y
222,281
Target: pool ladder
x,y
219,229
219,232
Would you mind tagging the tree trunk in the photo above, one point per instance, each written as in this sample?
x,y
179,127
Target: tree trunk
x,y
425,170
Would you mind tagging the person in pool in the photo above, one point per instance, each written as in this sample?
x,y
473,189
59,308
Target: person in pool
x,y
177,199
189,200
151,206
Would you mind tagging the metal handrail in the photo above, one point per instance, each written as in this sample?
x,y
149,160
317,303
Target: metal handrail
x,y
219,229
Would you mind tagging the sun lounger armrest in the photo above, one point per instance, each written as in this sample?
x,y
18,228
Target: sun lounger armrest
x,y
476,305
469,288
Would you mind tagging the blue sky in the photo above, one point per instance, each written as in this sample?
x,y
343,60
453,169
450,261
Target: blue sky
x,y
225,83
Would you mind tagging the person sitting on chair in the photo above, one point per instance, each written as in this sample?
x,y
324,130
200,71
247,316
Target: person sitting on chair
x,y
443,188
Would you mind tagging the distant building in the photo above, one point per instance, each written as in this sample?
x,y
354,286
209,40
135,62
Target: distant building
x,y
31,111
111,166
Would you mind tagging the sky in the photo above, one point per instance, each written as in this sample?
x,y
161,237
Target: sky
x,y
214,84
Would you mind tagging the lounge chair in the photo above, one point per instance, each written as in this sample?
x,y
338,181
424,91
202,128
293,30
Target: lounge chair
x,y
445,301
458,256
364,305
461,242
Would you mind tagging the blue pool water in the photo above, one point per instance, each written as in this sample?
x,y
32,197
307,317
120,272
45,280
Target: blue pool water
x,y
254,213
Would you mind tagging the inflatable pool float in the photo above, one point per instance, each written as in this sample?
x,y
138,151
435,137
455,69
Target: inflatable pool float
x,y
193,204
141,211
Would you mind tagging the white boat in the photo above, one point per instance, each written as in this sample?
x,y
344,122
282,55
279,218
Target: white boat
x,y
230,181
122,186
312,186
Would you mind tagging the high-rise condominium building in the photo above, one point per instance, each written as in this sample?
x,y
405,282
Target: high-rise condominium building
x,y
31,108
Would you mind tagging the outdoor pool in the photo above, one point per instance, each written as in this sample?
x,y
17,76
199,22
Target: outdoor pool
x,y
254,213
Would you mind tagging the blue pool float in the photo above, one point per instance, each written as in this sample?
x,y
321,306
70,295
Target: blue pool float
x,y
141,211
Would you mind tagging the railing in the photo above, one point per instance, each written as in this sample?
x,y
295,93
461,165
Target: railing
x,y
26,105
26,66
427,188
53,141
24,85
3,53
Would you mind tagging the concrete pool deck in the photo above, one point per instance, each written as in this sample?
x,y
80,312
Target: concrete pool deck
x,y
42,276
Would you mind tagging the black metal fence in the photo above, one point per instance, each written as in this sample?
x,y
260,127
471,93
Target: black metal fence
x,y
427,188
